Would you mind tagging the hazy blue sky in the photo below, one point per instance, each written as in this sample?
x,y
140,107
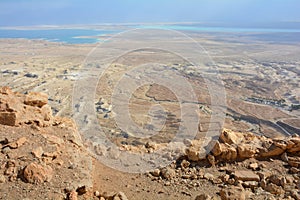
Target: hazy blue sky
x,y
247,12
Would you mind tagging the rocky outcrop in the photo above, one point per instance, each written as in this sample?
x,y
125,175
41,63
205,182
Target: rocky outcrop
x,y
235,146
17,109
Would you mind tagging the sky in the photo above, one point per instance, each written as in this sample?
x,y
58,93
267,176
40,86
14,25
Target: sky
x,y
232,12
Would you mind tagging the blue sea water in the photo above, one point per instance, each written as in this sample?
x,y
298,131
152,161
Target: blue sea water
x,y
71,36
83,36
221,29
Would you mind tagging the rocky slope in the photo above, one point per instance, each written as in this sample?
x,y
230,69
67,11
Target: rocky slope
x,y
43,157
242,166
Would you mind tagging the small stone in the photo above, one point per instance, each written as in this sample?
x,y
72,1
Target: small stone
x,y
192,154
208,176
294,170
246,175
151,145
294,163
203,197
231,181
168,183
97,193
73,195
261,175
250,184
18,143
10,168
295,194
284,157
2,179
274,189
168,173
233,193
289,179
5,150
253,166
185,164
263,183
225,178
10,163
185,176
68,189
211,159
81,190
283,182
120,196
155,173
217,181
275,179
38,152
262,165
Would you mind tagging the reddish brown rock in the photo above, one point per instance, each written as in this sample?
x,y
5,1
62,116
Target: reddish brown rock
x,y
253,166
18,143
233,193
17,109
271,151
246,175
73,195
8,118
5,90
168,173
296,145
38,152
35,173
295,194
230,137
229,153
36,99
120,196
193,154
246,151
276,179
217,149
203,197
294,161
274,189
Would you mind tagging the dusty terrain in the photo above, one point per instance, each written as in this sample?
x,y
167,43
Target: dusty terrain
x,y
45,156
